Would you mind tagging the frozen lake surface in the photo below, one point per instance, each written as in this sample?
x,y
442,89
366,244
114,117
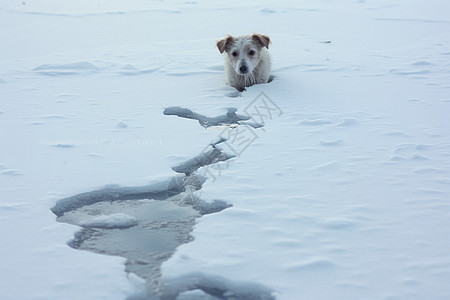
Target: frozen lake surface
x,y
119,136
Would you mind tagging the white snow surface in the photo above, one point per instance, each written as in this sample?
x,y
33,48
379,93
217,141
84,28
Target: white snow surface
x,y
345,195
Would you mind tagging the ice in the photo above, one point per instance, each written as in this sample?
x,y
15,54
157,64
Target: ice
x,y
215,286
159,190
342,194
230,118
210,155
110,221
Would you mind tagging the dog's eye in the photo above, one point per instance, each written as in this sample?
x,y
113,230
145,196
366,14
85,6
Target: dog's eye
x,y
234,53
252,52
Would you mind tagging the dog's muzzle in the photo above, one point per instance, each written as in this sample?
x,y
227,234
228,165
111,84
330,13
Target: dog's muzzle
x,y
243,69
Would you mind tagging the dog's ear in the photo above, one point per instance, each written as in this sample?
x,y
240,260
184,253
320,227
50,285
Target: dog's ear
x,y
261,40
225,43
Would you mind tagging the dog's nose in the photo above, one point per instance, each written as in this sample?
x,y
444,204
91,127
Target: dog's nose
x,y
243,69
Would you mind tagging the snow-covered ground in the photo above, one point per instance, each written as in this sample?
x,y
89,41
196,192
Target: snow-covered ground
x,y
343,194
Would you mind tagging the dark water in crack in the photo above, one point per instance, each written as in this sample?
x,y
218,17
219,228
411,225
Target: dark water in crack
x,y
146,224
143,224
161,227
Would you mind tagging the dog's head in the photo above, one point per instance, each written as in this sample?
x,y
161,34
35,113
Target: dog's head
x,y
243,52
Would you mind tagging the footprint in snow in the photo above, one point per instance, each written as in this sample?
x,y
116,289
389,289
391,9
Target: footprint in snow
x,y
332,143
76,68
122,125
267,10
422,63
339,224
404,152
408,73
316,264
11,172
63,146
326,166
130,70
345,122
314,122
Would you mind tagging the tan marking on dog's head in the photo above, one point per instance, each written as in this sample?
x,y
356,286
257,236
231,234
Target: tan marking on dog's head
x,y
261,40
225,43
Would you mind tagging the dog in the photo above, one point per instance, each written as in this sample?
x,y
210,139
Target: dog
x,y
247,60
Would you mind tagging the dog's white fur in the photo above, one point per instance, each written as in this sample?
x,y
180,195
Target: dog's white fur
x,y
247,60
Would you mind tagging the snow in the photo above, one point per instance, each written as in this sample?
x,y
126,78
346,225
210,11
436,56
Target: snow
x,y
342,194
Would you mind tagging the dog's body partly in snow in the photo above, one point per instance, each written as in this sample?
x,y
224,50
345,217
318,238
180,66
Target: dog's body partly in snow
x,y
247,60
